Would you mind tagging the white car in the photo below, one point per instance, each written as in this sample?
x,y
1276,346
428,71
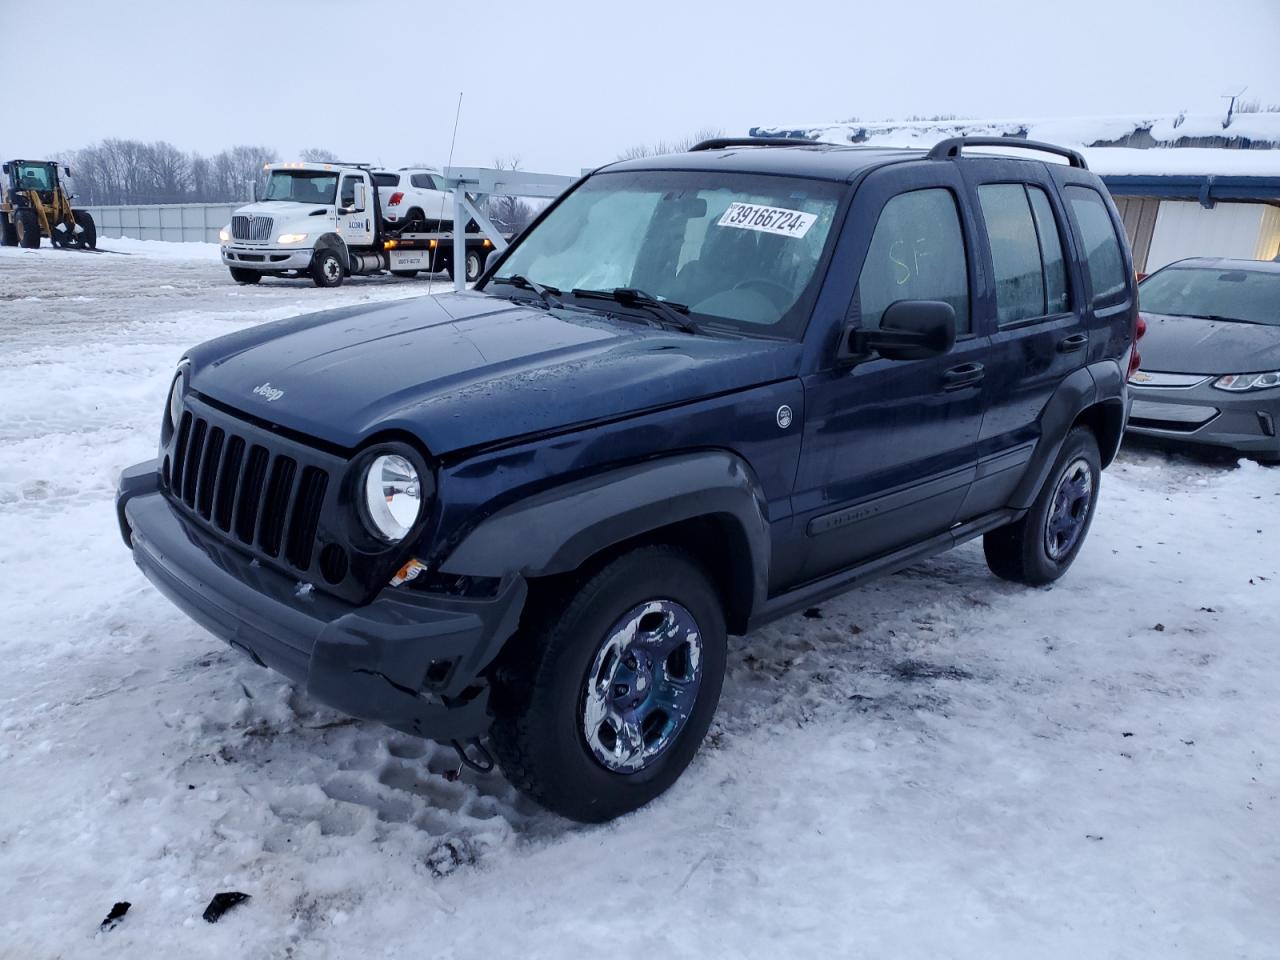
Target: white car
x,y
414,193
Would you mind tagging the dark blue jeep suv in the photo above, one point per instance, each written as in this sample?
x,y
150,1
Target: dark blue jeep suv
x,y
700,392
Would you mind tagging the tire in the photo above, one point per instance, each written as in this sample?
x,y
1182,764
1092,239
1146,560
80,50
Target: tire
x,y
475,265
407,274
1033,552
244,276
28,223
88,238
326,268
8,232
544,702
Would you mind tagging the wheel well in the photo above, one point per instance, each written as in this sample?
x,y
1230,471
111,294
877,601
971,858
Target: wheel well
x,y
716,541
1106,420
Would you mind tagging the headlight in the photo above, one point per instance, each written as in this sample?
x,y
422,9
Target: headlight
x,y
1239,382
291,238
224,235
175,398
392,496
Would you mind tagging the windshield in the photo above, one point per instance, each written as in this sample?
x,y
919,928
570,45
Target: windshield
x,y
35,176
736,249
301,186
1251,296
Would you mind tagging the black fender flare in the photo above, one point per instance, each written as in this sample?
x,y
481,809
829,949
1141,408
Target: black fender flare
x,y
331,241
557,530
1072,397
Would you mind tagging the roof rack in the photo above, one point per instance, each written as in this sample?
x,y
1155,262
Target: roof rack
x,y
719,143
951,148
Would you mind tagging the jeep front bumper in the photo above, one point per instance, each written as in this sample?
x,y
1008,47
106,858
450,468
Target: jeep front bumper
x,y
410,661
266,259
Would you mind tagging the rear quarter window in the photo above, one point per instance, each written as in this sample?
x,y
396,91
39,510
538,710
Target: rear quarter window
x,y
1101,244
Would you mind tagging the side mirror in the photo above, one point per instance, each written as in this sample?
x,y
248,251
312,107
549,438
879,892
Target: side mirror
x,y
909,330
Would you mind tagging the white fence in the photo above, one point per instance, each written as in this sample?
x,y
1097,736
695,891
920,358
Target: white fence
x,y
164,221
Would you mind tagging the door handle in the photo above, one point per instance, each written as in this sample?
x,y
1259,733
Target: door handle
x,y
1073,342
964,375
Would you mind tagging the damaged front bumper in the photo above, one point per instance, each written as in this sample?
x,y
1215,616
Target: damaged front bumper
x,y
410,661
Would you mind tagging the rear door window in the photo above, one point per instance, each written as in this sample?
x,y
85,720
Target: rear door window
x,y
1102,246
1026,251
917,253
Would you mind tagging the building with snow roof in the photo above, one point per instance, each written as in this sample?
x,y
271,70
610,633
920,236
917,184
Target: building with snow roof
x,y
1186,185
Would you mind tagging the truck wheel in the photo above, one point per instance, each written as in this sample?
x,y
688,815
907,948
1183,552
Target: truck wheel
x,y
1040,547
8,232
244,276
88,237
326,269
407,274
28,229
605,694
475,265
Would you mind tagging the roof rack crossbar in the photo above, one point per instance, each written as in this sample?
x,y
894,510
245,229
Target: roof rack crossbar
x,y
719,143
952,148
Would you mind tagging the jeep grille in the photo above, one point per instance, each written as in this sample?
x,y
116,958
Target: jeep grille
x,y
262,497
253,229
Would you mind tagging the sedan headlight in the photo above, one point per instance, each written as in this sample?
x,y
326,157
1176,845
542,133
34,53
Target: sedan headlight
x,y
392,496
224,235
1239,382
291,238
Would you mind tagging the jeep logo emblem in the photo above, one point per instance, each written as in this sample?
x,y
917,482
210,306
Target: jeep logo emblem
x,y
268,391
784,416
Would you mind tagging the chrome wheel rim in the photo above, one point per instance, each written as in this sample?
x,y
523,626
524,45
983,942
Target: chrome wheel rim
x,y
1069,509
642,685
331,268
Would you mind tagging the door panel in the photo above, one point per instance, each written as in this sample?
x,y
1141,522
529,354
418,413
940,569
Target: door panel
x,y
1033,312
889,447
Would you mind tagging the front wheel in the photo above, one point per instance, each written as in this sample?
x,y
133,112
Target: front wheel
x,y
1040,547
244,276
87,238
28,223
475,265
605,694
326,269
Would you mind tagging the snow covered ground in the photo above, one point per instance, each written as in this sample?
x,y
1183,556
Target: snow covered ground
x,y
938,765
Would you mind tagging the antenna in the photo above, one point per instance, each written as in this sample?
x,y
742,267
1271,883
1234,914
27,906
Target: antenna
x,y
431,277
1233,94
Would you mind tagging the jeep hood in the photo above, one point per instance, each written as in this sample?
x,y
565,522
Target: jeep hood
x,y
1176,344
461,370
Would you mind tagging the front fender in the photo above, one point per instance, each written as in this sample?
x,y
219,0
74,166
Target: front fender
x,y
558,530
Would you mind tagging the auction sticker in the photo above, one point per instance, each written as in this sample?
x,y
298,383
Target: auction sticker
x,y
753,216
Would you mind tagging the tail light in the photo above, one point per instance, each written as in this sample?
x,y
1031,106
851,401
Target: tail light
x,y
1139,331
395,199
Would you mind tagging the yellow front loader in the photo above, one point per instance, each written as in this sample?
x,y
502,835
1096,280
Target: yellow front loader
x,y
35,202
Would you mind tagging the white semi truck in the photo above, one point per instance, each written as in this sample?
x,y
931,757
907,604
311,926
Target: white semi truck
x,y
325,221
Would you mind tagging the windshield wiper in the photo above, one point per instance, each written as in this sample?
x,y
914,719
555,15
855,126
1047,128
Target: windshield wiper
x,y
673,313
549,295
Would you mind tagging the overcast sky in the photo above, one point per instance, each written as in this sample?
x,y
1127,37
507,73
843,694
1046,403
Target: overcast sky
x,y
565,85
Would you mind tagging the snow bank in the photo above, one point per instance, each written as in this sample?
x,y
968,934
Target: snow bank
x,y
148,249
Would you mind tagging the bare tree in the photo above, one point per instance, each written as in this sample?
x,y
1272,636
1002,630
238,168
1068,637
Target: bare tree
x,y
681,145
318,155
508,213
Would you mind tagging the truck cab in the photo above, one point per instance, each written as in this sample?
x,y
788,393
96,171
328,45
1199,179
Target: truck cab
x,y
314,219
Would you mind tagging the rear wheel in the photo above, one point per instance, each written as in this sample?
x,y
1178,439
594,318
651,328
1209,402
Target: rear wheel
x,y
605,694
475,265
1040,547
88,236
28,224
244,276
8,232
326,269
